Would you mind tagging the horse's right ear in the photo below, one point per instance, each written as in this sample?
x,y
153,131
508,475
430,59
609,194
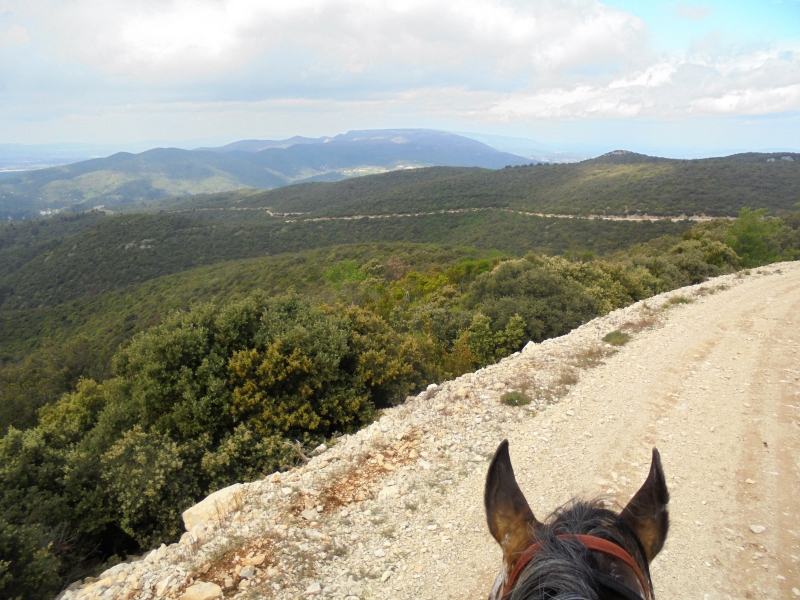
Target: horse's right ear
x,y
510,519
647,512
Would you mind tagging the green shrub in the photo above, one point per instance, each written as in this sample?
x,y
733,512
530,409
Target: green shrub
x,y
28,571
150,482
754,237
515,399
487,346
207,398
616,338
244,455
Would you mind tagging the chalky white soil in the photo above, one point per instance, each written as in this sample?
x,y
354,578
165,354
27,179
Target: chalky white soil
x,y
395,512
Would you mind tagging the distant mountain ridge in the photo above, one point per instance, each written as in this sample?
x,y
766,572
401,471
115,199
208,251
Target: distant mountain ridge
x,y
617,183
124,179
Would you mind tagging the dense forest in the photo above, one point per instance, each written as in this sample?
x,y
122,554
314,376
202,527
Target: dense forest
x,y
48,262
613,184
159,386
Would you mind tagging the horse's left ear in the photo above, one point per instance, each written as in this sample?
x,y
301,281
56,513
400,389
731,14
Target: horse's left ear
x,y
647,513
510,518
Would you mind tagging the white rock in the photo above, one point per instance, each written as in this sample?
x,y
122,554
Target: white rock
x,y
215,508
256,560
247,572
201,533
385,576
310,514
757,528
425,464
202,591
390,491
313,589
379,553
287,491
162,586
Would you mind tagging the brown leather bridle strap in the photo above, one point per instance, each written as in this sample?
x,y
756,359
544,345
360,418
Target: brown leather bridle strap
x,y
592,543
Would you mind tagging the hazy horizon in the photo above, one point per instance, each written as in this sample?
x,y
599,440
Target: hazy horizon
x,y
525,147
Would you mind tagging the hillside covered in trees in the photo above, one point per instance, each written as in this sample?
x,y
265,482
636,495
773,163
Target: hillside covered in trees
x,y
126,181
618,183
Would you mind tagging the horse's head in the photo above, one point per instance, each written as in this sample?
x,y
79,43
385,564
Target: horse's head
x,y
582,550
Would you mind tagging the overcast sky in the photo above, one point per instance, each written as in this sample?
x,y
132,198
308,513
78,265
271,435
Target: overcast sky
x,y
663,77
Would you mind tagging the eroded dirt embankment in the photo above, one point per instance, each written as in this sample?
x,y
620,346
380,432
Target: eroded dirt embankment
x,y
396,512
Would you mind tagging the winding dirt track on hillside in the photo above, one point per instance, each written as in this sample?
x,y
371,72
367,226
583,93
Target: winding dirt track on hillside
x,y
717,390
300,216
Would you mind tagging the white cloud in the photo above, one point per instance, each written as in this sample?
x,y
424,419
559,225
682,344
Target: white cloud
x,y
15,35
372,61
754,83
152,38
693,12
750,101
653,76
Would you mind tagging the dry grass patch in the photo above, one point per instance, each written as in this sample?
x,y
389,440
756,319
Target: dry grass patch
x,y
566,377
591,357
639,325
676,300
230,558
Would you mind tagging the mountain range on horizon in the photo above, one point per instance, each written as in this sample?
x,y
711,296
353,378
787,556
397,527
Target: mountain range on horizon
x,y
18,157
124,179
159,178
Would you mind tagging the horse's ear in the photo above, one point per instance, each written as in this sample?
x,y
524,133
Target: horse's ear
x,y
647,513
507,512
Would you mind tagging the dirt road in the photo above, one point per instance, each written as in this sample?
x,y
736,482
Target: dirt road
x,y
717,389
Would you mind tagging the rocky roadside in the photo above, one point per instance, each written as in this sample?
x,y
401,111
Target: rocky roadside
x,y
377,513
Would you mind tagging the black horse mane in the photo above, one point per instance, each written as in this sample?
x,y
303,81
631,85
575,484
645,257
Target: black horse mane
x,y
564,569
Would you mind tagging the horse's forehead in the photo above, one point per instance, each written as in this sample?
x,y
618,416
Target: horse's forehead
x,y
619,571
